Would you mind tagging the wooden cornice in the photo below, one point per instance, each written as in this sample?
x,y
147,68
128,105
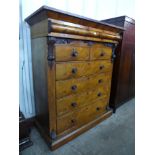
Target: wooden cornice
x,y
49,12
52,22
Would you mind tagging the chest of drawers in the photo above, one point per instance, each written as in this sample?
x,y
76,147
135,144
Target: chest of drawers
x,y
72,59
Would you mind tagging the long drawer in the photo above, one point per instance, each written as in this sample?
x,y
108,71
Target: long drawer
x,y
69,70
75,86
81,116
73,102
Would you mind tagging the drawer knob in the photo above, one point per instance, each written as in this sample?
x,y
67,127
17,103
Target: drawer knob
x,y
74,70
102,54
73,104
99,94
73,121
74,53
101,67
100,81
74,87
97,108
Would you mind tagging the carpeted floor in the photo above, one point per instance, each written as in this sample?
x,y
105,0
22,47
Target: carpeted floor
x,y
114,136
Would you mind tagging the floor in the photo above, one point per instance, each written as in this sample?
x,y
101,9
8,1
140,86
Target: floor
x,y
114,136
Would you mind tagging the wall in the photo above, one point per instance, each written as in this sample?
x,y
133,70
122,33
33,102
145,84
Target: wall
x,y
96,9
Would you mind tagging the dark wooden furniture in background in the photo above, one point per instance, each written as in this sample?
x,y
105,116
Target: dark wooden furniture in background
x,y
123,81
24,132
72,59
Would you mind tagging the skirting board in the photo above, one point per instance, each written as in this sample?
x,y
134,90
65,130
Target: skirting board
x,y
66,138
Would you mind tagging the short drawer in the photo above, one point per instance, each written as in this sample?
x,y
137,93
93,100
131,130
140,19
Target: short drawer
x,y
81,116
73,102
69,70
71,52
100,52
76,86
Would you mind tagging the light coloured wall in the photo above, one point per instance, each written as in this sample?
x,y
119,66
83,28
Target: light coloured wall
x,y
96,9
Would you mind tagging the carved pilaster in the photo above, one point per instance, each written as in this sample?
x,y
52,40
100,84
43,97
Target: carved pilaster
x,y
113,52
50,56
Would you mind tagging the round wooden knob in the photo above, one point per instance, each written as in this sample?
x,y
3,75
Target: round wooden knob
x,y
102,54
99,94
100,81
74,87
73,121
73,104
101,67
97,108
74,53
74,70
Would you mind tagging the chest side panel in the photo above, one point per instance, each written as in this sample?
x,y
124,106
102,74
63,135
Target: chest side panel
x,y
40,84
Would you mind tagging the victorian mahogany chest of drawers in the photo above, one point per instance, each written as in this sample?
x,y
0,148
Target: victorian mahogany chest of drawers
x,y
123,82
72,59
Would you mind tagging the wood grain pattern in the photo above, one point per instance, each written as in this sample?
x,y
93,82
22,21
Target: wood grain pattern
x,y
68,70
64,23
82,116
65,87
71,52
69,29
98,51
79,37
74,102
48,27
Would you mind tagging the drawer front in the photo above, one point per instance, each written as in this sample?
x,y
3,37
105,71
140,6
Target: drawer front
x,y
81,116
73,102
78,69
71,52
100,52
75,86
